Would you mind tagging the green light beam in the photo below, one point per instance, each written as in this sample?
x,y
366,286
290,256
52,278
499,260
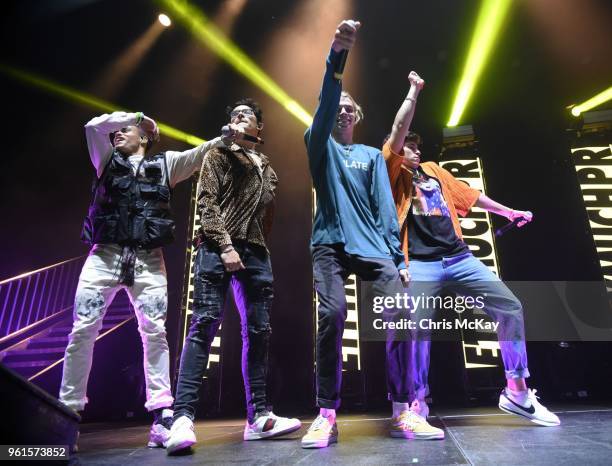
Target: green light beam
x,y
490,19
89,101
593,102
207,33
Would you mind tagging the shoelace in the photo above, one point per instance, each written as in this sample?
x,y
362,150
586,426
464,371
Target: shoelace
x,y
317,423
533,397
404,418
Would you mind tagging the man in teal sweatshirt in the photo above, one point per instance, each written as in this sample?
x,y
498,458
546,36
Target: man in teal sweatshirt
x,y
355,231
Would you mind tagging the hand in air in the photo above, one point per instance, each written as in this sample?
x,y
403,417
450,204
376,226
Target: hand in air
x,y
345,35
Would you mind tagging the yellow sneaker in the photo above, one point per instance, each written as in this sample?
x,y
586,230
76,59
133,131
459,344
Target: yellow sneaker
x,y
321,434
410,425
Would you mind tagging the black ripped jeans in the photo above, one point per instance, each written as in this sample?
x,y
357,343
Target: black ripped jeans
x,y
253,293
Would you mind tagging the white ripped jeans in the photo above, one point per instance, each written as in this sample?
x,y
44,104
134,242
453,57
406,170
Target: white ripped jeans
x,y
97,287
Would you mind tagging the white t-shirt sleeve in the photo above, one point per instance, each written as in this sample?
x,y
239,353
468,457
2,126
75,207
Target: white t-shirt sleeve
x,y
181,165
97,133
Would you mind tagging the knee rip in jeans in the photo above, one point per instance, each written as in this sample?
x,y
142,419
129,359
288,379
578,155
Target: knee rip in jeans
x,y
153,307
89,304
204,319
260,330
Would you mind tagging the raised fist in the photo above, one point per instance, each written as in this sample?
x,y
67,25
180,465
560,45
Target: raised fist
x,y
415,80
345,35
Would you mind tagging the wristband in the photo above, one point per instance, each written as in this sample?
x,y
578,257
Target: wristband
x,y
139,118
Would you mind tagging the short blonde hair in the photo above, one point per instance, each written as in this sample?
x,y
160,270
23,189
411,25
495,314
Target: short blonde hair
x,y
358,110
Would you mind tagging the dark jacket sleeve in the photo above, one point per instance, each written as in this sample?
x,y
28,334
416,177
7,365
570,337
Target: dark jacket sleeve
x,y
214,167
317,136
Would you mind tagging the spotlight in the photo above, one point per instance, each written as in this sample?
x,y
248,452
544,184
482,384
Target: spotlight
x,y
593,102
489,23
88,100
164,20
210,35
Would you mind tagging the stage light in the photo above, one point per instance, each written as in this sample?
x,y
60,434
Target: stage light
x,y
116,75
488,24
593,102
89,101
207,33
164,20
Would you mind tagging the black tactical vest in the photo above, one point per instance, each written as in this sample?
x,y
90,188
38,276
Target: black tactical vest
x,y
128,209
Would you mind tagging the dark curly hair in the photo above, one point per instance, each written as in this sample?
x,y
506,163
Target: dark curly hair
x,y
410,137
249,103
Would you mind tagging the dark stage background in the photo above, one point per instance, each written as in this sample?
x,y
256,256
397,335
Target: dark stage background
x,y
517,111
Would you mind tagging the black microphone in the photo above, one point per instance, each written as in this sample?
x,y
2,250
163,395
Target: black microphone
x,y
339,69
509,226
226,132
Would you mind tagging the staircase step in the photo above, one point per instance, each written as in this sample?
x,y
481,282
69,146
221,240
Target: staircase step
x,y
25,372
32,355
39,363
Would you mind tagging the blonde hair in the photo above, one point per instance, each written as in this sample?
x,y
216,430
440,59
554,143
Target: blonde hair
x,y
358,110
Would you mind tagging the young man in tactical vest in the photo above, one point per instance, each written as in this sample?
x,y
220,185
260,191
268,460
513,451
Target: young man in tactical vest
x,y
128,222
236,198
355,231
428,199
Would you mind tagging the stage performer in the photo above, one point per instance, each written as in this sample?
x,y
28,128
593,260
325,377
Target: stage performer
x,y
129,221
428,200
236,200
355,231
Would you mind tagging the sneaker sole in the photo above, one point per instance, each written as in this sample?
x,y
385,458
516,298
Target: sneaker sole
x,y
413,436
320,443
271,433
184,445
534,420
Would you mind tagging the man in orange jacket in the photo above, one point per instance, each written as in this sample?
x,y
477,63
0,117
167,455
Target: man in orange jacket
x,y
428,199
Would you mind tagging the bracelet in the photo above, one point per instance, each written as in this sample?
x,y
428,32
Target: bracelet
x,y
227,249
411,99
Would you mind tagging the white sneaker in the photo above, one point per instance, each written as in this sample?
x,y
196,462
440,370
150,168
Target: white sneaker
x,y
160,430
182,435
321,433
268,425
531,408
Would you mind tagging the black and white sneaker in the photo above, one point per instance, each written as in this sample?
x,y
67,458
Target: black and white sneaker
x,y
182,436
530,408
267,425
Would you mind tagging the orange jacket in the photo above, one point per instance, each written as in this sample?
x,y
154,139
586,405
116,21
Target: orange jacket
x,y
458,195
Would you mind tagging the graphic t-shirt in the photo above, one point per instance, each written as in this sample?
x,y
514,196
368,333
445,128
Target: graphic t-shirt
x,y
430,229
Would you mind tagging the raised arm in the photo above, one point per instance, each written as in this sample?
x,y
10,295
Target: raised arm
x,y
182,165
403,118
317,135
97,131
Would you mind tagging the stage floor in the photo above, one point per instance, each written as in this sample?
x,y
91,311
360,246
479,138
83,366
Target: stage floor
x,y
479,436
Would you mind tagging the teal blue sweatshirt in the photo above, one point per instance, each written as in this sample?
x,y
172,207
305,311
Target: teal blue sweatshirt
x,y
354,201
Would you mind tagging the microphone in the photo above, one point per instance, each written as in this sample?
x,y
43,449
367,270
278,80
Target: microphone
x,y
226,132
339,69
509,226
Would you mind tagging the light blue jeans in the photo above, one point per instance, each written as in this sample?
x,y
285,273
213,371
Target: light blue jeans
x,y
468,276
